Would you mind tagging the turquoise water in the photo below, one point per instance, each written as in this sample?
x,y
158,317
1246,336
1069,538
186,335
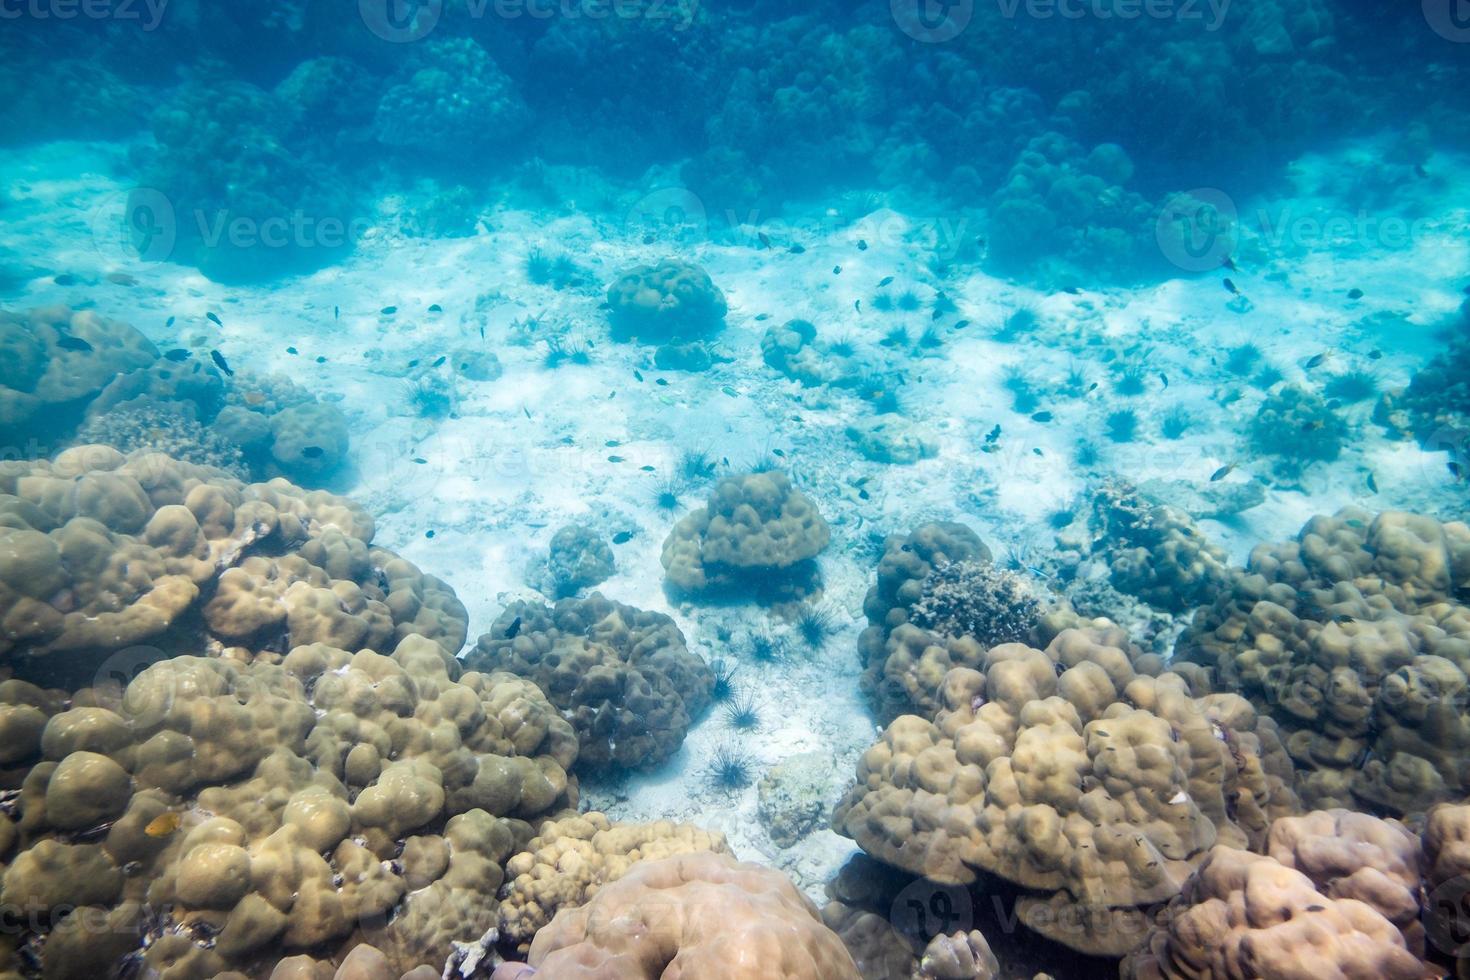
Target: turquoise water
x,y
666,410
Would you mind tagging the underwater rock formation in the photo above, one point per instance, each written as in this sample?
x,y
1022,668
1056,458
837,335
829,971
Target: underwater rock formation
x,y
757,534
1093,787
702,915
670,301
578,559
448,101
1355,637
101,552
622,676
1297,428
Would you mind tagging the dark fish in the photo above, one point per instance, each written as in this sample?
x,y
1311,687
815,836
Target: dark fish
x,y
1222,472
214,319
513,629
1071,290
336,313
1041,417
797,249
1312,425
962,324
637,374
862,244
482,331
993,434
65,279
74,343
1372,482
864,495
1165,379
777,452
1455,469
857,305
1092,387
1037,451
648,469
762,317
291,350
420,460
837,270
435,308
1316,361
313,452
1229,263
622,537
615,459
429,534
1316,908
1375,354
526,410
1230,288
388,310
884,281
764,239
440,361
177,354
612,444
730,391
661,381
413,363
321,359
169,322
1355,294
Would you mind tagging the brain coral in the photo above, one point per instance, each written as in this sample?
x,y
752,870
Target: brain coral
x,y
99,552
757,533
621,675
669,301
225,814
1091,786
698,915
1356,639
571,859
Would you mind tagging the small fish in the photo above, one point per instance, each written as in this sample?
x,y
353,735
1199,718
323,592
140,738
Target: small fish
x,y
1229,263
292,351
1230,287
993,434
336,313
1093,387
435,308
765,239
429,533
1316,908
648,469
513,629
864,495
616,459
220,362
164,824
1036,451
638,374
612,444
777,452
64,279
935,315
169,322
413,363
797,250
74,343
439,361
730,391
321,359
1355,293
886,280
482,331
177,354
857,305
213,319
1072,290
762,318
388,310
862,244
622,537
1375,354
1041,417
526,410
837,270
313,452
661,381
1455,469
962,324
1165,379
1317,360
420,461
121,279
1222,472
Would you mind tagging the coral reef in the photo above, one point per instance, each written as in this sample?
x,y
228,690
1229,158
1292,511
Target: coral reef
x,y
100,552
670,301
1356,639
892,441
578,559
795,796
451,102
571,859
1092,786
622,676
757,533
1298,428
703,915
